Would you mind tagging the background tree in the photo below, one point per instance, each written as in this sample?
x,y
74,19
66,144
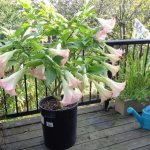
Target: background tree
x,y
10,15
125,11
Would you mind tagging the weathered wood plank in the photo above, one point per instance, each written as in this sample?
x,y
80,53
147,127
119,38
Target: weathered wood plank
x,y
1,138
106,132
98,119
21,122
97,130
81,110
89,108
89,128
103,142
22,129
82,121
143,148
41,147
104,125
95,114
23,136
1,135
130,145
81,117
1,129
111,140
23,144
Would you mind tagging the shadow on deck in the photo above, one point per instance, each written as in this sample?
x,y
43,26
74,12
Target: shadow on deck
x,y
97,130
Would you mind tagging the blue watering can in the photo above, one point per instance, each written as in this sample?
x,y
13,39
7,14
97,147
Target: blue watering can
x,y
144,119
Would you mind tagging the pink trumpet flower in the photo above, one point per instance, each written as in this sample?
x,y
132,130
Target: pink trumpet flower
x,y
84,81
112,68
107,24
116,87
39,72
103,92
112,57
9,83
64,53
118,52
4,58
71,96
73,82
101,35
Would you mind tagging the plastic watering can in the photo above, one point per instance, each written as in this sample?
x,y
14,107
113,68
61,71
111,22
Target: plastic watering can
x,y
144,119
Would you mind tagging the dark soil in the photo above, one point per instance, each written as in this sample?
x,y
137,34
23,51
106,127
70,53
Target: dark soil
x,y
51,105
54,105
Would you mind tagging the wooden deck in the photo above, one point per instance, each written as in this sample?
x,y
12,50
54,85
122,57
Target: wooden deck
x,y
97,130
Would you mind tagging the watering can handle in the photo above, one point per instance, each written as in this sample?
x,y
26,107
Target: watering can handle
x,y
130,110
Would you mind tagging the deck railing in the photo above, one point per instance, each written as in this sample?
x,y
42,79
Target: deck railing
x,y
31,91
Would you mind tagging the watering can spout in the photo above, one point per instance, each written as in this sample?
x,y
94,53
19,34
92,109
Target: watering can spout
x,y
130,110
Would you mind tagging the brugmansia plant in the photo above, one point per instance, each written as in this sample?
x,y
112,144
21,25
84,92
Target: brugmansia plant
x,y
74,54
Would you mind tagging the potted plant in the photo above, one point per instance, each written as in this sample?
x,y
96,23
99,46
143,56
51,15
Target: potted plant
x,y
137,91
74,55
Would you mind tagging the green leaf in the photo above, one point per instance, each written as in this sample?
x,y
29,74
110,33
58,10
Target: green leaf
x,y
96,69
6,47
50,75
89,11
82,28
36,45
50,30
78,62
58,59
11,63
25,3
66,34
39,54
34,63
22,29
85,40
76,45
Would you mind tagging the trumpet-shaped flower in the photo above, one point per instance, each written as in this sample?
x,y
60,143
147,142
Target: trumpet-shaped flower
x,y
112,68
62,53
73,82
9,83
107,24
71,96
112,57
84,79
116,87
118,52
101,35
39,72
4,58
103,92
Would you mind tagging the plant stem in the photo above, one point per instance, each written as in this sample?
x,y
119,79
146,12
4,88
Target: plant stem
x,y
70,35
52,92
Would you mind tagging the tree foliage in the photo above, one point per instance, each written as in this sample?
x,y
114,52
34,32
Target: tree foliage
x,y
9,14
123,10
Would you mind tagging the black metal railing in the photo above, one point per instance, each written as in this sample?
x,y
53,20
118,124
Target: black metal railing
x,y
31,90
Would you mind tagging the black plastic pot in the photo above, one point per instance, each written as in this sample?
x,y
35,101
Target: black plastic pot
x,y
59,126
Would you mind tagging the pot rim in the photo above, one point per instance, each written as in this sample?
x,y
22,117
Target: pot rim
x,y
57,110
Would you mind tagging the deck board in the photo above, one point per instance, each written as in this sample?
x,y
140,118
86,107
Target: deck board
x,y
97,130
147,147
130,144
